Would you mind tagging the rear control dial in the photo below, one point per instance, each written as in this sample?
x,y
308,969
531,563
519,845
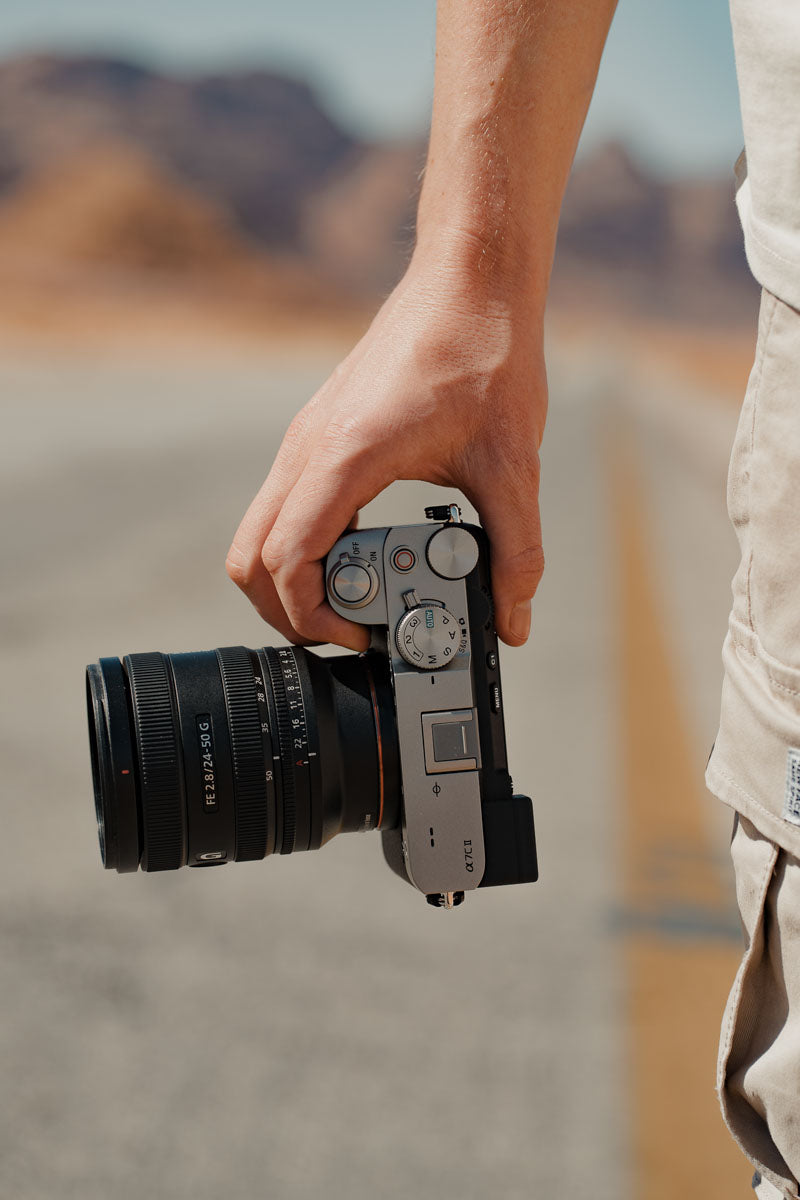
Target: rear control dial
x,y
452,552
429,636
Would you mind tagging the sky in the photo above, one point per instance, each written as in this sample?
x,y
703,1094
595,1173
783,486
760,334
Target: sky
x,y
667,85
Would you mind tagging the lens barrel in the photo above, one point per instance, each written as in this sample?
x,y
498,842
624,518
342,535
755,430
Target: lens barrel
x,y
233,754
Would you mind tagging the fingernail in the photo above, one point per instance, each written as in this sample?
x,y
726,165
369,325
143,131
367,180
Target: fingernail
x,y
520,620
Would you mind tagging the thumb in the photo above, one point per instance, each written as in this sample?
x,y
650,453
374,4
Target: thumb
x,y
508,505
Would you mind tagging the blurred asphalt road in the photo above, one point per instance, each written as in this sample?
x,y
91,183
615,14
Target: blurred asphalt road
x,y
307,1026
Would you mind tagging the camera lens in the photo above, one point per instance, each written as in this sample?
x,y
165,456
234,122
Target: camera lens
x,y
233,754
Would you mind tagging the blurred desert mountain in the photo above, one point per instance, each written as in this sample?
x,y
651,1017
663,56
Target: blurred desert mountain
x,y
253,142
667,248
114,176
112,204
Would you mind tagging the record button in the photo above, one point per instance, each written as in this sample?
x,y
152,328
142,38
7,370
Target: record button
x,y
403,559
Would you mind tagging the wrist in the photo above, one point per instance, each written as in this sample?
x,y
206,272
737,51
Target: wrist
x,y
482,267
485,346
486,232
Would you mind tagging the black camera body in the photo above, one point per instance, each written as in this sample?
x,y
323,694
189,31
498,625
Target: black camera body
x,y
234,754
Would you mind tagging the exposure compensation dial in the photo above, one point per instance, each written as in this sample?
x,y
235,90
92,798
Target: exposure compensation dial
x,y
428,636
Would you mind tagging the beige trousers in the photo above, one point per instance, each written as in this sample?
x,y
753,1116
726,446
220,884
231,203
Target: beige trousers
x,y
759,1062
755,765
765,1190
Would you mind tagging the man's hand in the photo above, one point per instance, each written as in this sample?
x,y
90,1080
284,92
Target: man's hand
x,y
444,388
449,384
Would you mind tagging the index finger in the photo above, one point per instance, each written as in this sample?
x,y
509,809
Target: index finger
x,y
315,514
244,563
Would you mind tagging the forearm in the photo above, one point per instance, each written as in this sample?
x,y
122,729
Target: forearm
x,y
448,384
513,83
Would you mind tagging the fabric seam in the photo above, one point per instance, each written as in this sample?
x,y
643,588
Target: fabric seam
x,y
763,887
762,245
764,882
723,774
751,653
761,353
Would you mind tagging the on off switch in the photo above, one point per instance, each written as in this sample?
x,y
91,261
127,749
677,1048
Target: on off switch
x,y
353,582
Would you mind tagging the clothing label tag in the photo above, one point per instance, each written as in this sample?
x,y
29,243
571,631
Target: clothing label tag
x,y
791,799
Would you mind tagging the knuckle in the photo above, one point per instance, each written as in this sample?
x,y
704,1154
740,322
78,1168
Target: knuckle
x,y
239,568
524,467
526,567
348,443
273,555
298,429
302,622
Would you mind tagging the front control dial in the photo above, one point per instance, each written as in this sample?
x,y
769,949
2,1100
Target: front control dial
x,y
428,636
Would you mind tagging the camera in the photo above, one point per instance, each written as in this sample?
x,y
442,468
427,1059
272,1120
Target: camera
x,y
234,754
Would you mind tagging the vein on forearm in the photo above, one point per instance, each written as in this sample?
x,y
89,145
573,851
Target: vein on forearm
x,y
513,83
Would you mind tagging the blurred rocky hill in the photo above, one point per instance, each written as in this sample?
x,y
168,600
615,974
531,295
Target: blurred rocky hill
x,y
241,183
254,142
669,249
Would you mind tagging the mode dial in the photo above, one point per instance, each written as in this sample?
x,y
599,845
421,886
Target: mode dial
x,y
428,636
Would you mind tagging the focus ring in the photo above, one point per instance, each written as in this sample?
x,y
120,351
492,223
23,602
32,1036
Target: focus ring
x,y
163,816
284,745
244,724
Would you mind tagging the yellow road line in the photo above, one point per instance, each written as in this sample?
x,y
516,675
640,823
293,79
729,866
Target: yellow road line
x,y
677,916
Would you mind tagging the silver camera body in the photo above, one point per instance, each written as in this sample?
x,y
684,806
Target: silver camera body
x,y
424,591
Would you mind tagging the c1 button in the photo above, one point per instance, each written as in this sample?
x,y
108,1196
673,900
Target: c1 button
x,y
403,559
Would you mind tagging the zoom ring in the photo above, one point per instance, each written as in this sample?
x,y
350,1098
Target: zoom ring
x,y
285,747
161,785
247,749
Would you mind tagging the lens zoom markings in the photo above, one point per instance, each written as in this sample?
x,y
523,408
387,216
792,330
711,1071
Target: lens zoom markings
x,y
271,759
281,705
294,748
